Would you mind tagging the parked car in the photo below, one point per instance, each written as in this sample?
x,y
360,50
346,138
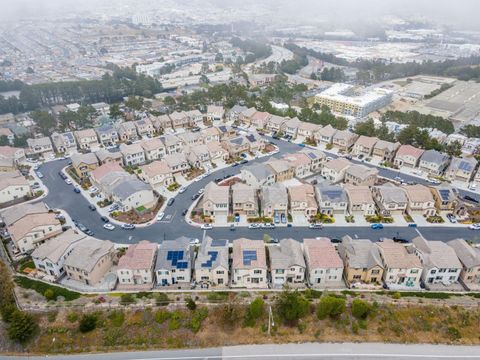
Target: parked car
x,y
401,240
470,198
182,189
194,241
201,191
62,175
452,218
68,181
232,227
128,226
92,207
113,208
160,216
206,227
474,227
104,219
170,201
274,241
315,226
376,226
284,218
335,241
244,161
109,226
195,196
268,226
77,190
254,226
184,212
39,174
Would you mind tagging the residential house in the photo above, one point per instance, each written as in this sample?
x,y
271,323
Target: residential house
x,y
249,266
161,123
362,261
83,164
14,187
361,175
131,193
469,257
317,159
64,143
308,130
154,149
215,113
324,265
10,157
236,146
87,139
440,262
106,176
157,174
245,116
334,170
402,269
364,146
174,262
244,200
216,201
217,152
448,201
360,200
137,265
198,155
90,260
325,135
332,199
226,132
50,257
234,113
195,118
287,264
107,135
300,163
4,131
179,120
211,264
408,156
420,200
102,108
105,156
191,138
38,146
210,134
344,139
258,175
177,162
275,123
144,127
302,200
127,131
434,162
255,142
260,119
274,202
30,225
461,169
385,150
173,144
290,127
281,169
390,199
133,155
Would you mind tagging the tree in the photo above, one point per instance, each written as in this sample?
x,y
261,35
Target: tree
x,y
291,306
22,326
4,140
313,76
254,311
49,294
134,102
191,305
360,309
454,148
366,128
88,322
169,101
44,121
219,57
115,112
203,79
330,306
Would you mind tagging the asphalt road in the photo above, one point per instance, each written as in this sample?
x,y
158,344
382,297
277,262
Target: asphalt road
x,y
62,196
348,351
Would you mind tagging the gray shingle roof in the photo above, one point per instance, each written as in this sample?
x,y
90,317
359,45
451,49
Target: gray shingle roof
x,y
88,252
433,156
259,171
468,255
180,244
361,253
128,187
288,253
205,257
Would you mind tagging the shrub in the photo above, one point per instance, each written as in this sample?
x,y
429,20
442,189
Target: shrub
x,y
88,322
360,309
7,311
161,316
191,305
41,288
330,306
197,319
162,299
72,317
127,299
175,321
254,311
116,318
291,306
52,316
217,296
311,294
22,326
454,333
49,294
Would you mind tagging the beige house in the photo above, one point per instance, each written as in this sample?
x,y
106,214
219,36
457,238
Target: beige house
x,y
362,261
361,175
144,127
177,162
420,200
281,169
157,174
461,169
198,155
10,157
317,159
324,265
325,135
390,199
195,118
133,154
179,120
364,146
332,199
217,152
161,123
173,144
245,116
216,201
127,131
300,163
106,157
249,266
275,123
191,138
408,156
360,200
211,265
90,260
84,164
308,130
215,113
287,264
210,134
302,200
448,201
260,119
434,162
87,139
236,146
274,201
39,146
385,150
14,187
344,139
136,266
257,175
244,200
334,170
290,127
153,149
402,269
469,256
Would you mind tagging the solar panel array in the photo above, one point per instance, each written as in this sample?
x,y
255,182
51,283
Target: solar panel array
x,y
333,194
213,257
248,256
444,194
175,256
250,138
312,155
465,166
219,242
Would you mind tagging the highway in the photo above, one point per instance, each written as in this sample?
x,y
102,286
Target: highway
x,y
61,196
345,351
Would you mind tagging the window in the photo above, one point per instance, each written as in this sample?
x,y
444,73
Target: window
x,y
257,271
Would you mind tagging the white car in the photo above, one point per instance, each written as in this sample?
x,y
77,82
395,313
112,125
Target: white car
x,y
160,216
68,181
206,227
474,227
109,226
182,189
194,241
329,158
254,226
201,191
93,189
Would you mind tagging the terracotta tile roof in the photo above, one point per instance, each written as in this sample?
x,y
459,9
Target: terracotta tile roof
x,y
139,256
322,254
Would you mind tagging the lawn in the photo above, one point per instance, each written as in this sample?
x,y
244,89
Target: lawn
x,y
41,287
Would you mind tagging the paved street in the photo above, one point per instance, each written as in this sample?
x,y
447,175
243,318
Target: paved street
x,y
293,351
62,196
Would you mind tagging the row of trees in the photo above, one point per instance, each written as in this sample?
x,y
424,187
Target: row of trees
x,y
420,120
254,49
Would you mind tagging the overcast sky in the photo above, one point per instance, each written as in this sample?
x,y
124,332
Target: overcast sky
x,y
463,13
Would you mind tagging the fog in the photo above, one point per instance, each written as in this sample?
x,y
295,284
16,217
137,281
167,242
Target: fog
x,y
460,13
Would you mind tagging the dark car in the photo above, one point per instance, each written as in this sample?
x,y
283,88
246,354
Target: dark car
x,y
76,190
62,175
217,180
195,196
232,227
104,219
401,240
170,201
92,207
335,241
184,212
471,199
244,161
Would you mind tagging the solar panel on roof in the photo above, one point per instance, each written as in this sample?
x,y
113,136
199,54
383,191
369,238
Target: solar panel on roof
x,y
219,242
250,138
209,262
311,155
465,166
182,265
248,256
444,194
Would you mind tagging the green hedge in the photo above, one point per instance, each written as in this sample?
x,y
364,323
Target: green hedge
x,y
41,287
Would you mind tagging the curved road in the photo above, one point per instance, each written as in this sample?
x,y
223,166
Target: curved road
x,y
62,196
